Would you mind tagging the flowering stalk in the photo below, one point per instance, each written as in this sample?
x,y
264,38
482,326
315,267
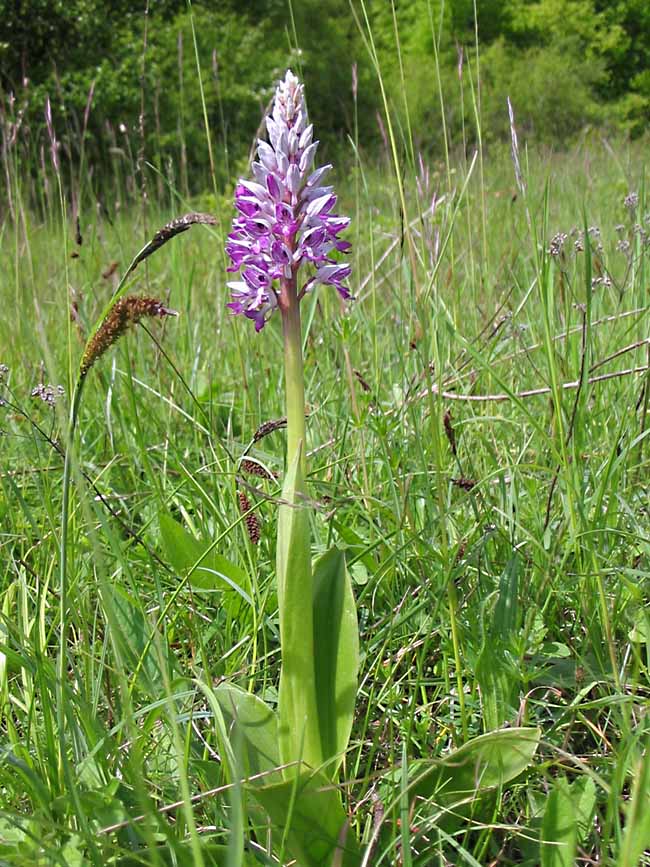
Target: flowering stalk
x,y
294,379
298,708
285,217
285,220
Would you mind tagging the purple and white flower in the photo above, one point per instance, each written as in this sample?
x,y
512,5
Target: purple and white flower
x,y
285,215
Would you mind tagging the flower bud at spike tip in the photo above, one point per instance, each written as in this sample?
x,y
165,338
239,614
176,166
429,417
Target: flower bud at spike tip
x,y
281,224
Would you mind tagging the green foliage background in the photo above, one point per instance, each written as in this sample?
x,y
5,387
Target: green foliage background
x,y
499,548
564,65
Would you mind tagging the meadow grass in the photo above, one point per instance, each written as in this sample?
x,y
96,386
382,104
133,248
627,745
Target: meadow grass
x,y
498,540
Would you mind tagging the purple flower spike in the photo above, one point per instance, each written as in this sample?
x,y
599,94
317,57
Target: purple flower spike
x,y
284,217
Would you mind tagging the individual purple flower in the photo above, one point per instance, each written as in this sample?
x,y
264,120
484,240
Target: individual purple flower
x,y
285,216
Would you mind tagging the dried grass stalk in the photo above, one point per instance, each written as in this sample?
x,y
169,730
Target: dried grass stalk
x,y
533,392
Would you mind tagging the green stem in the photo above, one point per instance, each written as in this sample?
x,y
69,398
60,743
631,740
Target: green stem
x,y
63,554
452,598
294,382
61,668
300,737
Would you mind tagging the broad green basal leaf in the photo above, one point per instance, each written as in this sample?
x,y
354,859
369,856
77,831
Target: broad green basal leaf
x,y
559,828
141,649
307,814
336,650
298,712
252,730
205,571
448,793
486,762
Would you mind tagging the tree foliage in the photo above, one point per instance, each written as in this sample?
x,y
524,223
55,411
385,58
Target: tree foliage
x,y
563,62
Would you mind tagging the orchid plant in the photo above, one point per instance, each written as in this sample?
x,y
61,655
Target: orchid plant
x,y
283,243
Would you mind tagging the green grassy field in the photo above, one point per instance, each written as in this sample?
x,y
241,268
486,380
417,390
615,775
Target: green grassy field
x,y
498,539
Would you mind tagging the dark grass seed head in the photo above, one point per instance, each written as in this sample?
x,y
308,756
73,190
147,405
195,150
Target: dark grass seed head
x,y
450,433
268,427
169,231
464,483
253,527
253,468
125,312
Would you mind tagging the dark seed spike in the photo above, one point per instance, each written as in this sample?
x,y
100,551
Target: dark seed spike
x,y
253,468
129,310
450,432
268,427
465,484
251,520
173,228
362,382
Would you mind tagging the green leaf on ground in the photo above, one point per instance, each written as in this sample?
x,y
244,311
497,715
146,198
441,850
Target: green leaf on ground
x,y
336,649
559,835
307,814
252,730
484,763
297,709
205,571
